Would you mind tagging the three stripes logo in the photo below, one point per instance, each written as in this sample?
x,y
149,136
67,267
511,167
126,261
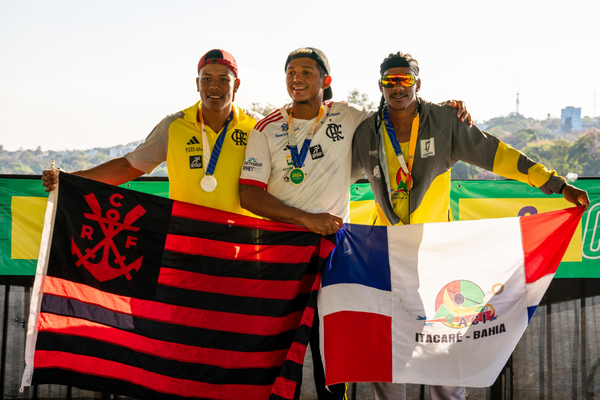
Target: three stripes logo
x,y
192,145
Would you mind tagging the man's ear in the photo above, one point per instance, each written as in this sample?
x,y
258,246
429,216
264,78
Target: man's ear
x,y
198,84
418,85
327,82
236,86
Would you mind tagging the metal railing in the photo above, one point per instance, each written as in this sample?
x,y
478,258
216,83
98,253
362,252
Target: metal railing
x,y
15,292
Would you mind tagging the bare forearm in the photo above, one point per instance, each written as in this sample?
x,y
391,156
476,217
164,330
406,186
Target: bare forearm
x,y
115,172
260,202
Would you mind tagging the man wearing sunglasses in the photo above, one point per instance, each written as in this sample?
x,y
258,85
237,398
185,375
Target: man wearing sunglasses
x,y
407,149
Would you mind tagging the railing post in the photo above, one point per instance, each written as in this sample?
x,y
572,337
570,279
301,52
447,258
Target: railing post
x,y
4,335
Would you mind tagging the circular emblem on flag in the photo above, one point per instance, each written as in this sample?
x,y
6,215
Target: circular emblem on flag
x,y
460,304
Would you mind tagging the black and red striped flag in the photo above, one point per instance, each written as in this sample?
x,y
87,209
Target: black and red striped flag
x,y
153,298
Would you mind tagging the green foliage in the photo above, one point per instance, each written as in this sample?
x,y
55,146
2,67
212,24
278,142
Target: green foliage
x,y
28,162
360,99
519,131
585,153
262,109
539,140
553,154
462,170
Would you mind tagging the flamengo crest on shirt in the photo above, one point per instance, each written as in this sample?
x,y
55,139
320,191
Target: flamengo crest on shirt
x,y
334,132
239,137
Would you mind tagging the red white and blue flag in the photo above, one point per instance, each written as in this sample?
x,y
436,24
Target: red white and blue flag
x,y
153,298
438,304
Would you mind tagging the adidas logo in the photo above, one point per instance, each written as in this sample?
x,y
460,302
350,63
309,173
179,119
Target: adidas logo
x,y
193,140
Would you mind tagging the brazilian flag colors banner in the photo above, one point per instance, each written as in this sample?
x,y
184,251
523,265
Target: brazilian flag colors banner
x,y
152,298
23,202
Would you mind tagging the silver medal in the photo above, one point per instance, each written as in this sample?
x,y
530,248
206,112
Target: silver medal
x,y
208,183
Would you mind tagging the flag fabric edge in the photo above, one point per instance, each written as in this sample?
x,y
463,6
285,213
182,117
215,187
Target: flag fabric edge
x,y
40,274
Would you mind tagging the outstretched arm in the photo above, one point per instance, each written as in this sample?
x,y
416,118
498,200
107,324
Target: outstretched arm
x,y
115,172
260,202
576,196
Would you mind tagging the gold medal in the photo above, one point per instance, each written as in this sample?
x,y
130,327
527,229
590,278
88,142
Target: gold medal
x,y
297,176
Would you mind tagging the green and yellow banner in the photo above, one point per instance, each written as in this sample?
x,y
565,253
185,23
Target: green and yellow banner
x,y
23,204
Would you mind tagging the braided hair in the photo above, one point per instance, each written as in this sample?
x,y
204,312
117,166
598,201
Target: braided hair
x,y
397,59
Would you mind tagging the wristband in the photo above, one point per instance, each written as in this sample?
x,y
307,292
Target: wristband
x,y
563,187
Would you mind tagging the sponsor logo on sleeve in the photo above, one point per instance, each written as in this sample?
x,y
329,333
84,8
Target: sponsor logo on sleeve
x,y
252,165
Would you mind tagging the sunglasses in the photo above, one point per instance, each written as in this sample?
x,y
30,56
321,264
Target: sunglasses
x,y
405,80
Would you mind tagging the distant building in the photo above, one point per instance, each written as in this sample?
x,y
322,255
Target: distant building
x,y
570,119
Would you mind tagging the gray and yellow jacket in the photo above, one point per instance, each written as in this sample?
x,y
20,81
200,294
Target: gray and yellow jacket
x,y
442,141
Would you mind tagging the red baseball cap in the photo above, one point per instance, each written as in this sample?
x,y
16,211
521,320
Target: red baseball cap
x,y
217,56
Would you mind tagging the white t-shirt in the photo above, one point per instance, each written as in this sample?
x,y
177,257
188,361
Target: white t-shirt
x,y
327,167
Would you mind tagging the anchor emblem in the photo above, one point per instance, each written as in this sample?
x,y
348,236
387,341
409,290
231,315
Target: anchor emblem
x,y
103,270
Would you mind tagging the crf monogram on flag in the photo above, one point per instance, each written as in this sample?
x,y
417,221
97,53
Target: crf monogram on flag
x,y
152,298
110,228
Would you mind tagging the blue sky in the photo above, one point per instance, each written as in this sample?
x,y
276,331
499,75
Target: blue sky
x,y
83,74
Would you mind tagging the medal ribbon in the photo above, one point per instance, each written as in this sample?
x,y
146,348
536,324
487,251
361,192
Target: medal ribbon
x,y
298,159
210,157
414,131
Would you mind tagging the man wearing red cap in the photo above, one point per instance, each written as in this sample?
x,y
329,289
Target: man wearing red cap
x,y
203,145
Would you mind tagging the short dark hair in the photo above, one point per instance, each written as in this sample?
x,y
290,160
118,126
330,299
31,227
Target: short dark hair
x,y
399,59
322,70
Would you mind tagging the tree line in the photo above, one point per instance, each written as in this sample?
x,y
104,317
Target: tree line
x,y
541,140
